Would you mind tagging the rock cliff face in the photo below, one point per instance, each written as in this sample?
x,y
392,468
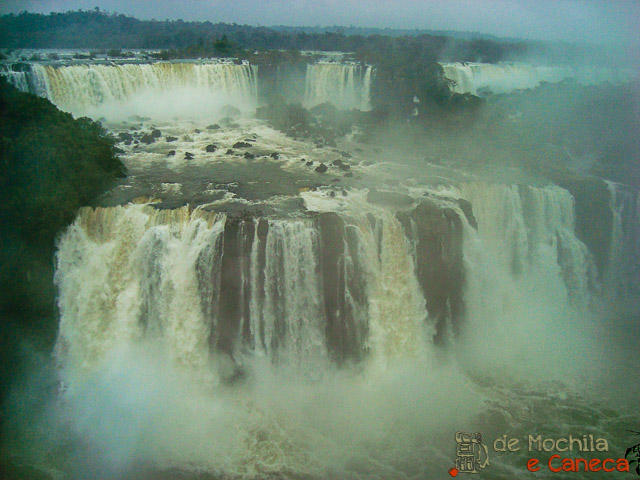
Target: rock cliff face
x,y
326,286
436,232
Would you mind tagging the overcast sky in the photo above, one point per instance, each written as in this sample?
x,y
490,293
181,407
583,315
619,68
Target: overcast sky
x,y
599,21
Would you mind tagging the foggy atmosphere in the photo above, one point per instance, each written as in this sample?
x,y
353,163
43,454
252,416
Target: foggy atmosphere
x,y
319,239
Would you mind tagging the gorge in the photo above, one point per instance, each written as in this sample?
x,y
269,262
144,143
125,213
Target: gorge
x,y
227,310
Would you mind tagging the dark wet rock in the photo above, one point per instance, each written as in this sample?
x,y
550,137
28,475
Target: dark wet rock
x,y
348,174
211,148
230,152
197,131
118,150
337,163
436,231
465,206
241,145
345,335
594,218
344,192
249,139
344,167
345,154
171,153
322,168
275,155
188,155
391,199
215,126
136,142
309,163
169,138
125,137
332,193
148,139
156,133
249,155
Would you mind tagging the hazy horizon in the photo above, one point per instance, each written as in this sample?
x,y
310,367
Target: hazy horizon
x,y
589,21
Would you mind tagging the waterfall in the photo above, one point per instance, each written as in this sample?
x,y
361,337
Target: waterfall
x,y
344,85
477,78
96,89
298,291
529,281
530,232
16,76
283,344
304,292
622,276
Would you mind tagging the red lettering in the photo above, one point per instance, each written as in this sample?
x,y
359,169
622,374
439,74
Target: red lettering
x,y
622,465
531,465
581,461
604,465
573,464
567,465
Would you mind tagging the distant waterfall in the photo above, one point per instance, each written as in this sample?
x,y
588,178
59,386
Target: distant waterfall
x,y
477,78
344,85
86,89
17,76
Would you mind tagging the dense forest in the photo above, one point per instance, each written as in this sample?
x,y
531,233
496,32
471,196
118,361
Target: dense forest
x,y
50,165
98,30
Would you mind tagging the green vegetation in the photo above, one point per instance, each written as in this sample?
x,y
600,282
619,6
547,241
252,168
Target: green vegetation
x,y
592,128
50,165
97,29
408,75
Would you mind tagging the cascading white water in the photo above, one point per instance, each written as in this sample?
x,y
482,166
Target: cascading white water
x,y
134,273
532,229
125,274
16,78
178,88
477,78
622,277
131,272
529,278
344,85
288,323
176,305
